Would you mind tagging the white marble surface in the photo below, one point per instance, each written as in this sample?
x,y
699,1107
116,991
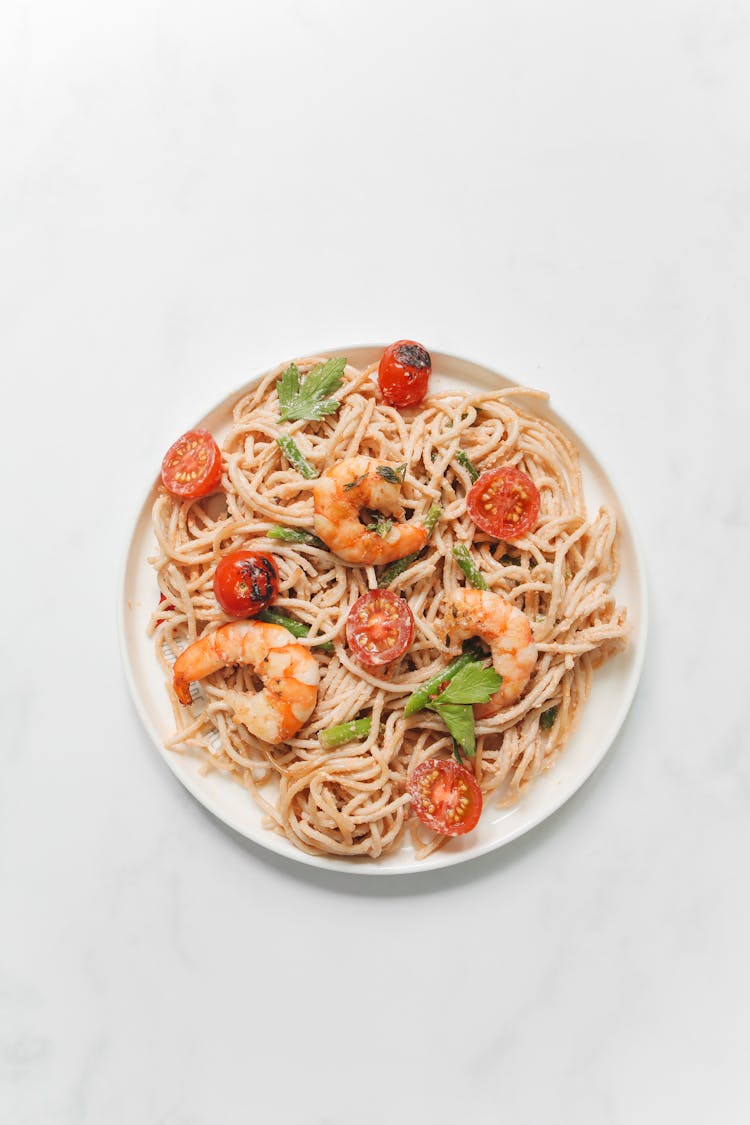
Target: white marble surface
x,y
190,191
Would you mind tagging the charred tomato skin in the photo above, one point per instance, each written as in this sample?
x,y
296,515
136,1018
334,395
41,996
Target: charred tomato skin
x,y
404,373
245,582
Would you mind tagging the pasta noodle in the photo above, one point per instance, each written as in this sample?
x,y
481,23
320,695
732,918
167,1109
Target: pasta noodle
x,y
352,801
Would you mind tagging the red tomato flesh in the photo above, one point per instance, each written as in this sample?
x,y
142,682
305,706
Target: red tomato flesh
x,y
445,796
162,599
192,466
504,502
245,582
379,628
404,373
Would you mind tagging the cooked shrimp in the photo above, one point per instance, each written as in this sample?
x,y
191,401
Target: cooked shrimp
x,y
342,492
507,630
289,673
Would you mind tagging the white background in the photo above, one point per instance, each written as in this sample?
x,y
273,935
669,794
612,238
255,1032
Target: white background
x,y
190,191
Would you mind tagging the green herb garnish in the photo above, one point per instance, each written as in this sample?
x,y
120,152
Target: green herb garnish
x,y
393,476
431,688
354,483
471,683
310,400
460,723
380,527
547,718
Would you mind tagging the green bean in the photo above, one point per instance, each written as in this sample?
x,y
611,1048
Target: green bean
x,y
434,513
344,732
422,696
291,451
296,628
428,523
464,461
397,568
295,535
464,560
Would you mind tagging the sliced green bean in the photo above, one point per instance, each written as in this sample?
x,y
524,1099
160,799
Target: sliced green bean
x,y
344,732
434,512
428,523
397,568
295,535
296,628
464,461
422,696
293,455
464,560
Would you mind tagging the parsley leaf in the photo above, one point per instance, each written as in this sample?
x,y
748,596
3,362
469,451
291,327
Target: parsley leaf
x,y
380,527
459,719
310,399
472,684
393,476
287,387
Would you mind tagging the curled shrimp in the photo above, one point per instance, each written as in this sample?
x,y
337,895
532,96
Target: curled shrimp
x,y
507,630
289,673
343,491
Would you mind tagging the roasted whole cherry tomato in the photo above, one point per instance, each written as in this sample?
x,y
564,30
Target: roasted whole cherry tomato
x,y
245,582
504,502
192,466
404,373
379,628
445,796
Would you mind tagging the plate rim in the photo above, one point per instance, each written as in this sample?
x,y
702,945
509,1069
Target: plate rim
x,y
356,865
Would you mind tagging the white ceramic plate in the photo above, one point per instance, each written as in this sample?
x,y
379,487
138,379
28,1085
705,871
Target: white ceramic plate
x,y
611,695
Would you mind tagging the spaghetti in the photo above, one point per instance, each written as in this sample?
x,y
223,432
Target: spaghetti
x,y
352,800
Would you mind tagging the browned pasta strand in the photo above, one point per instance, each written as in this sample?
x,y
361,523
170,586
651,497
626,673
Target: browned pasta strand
x,y
352,801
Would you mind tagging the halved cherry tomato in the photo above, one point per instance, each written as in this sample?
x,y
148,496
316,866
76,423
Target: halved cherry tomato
x,y
192,466
445,796
404,373
379,628
245,582
504,502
